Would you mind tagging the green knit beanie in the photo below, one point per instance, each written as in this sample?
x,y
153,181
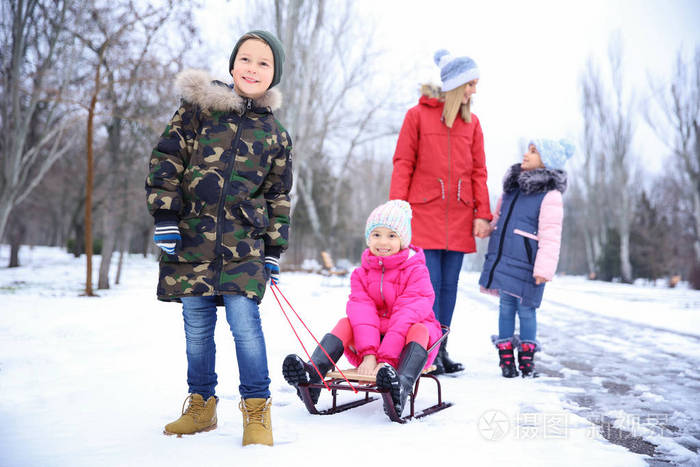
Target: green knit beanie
x,y
277,52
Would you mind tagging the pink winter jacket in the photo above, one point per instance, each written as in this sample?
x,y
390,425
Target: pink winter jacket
x,y
388,295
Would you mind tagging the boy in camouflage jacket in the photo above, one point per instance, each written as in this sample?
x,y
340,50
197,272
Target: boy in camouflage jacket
x,y
218,189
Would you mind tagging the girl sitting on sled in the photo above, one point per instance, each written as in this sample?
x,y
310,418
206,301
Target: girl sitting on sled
x,y
390,321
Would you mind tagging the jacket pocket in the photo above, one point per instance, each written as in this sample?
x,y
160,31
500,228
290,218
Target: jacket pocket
x,y
426,191
253,213
464,191
528,237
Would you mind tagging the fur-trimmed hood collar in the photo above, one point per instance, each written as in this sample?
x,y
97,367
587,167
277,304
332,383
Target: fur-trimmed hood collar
x,y
198,87
534,181
431,95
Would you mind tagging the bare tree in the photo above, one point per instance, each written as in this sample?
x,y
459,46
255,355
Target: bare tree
x,y
609,166
121,39
33,117
679,101
327,108
591,184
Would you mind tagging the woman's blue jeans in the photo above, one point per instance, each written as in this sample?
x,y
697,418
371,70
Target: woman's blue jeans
x,y
243,318
444,267
508,307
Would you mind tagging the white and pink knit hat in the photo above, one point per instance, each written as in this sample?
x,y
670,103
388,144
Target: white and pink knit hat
x,y
395,215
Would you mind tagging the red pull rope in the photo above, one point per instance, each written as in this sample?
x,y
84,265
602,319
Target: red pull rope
x,y
274,286
297,335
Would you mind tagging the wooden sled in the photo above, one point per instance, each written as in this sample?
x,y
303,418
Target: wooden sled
x,y
367,385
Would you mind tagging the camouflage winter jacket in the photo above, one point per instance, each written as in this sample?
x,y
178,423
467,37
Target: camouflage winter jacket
x,y
223,170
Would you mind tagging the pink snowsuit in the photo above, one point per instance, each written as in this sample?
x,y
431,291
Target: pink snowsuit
x,y
388,295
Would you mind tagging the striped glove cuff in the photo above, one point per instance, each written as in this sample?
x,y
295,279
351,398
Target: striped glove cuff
x,y
272,265
167,236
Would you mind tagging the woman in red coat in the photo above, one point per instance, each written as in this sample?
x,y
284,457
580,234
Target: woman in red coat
x,y
440,169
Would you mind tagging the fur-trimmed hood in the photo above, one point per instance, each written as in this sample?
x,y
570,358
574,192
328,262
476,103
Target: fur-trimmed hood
x,y
534,181
198,87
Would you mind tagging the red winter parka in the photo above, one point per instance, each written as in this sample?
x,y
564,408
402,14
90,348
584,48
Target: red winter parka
x,y
441,172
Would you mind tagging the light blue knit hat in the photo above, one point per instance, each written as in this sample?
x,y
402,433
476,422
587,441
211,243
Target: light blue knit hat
x,y
394,215
455,71
553,153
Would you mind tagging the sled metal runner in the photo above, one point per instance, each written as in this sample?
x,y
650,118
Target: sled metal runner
x,y
367,385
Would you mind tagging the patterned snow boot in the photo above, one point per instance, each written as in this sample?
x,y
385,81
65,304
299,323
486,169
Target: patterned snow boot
x,y
506,357
198,416
526,358
295,371
400,383
257,423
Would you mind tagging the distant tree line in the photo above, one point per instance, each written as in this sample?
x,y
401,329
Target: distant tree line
x,y
623,223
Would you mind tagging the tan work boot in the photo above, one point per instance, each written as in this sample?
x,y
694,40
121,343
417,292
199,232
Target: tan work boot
x,y
199,416
257,424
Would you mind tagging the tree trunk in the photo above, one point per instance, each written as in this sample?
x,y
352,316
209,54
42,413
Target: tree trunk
x,y
696,208
306,193
108,244
89,183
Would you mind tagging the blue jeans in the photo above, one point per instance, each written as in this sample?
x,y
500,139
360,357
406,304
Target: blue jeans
x,y
508,307
243,318
444,267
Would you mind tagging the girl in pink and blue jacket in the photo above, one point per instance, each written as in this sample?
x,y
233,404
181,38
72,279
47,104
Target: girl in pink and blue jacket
x,y
390,322
523,250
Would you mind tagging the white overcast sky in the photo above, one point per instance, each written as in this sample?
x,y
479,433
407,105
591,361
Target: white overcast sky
x,y
530,53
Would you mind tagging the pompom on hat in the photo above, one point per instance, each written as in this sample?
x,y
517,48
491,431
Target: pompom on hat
x,y
554,153
455,71
394,215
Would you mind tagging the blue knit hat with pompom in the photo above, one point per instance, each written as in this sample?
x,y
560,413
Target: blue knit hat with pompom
x,y
455,71
553,153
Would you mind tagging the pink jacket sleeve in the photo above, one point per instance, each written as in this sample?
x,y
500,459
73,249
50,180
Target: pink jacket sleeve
x,y
414,305
363,316
405,157
549,235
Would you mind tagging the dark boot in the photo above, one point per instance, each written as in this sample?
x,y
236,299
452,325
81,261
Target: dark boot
x,y
526,358
400,383
449,365
295,371
506,357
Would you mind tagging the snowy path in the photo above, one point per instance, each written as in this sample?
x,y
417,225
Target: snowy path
x,y
92,381
640,382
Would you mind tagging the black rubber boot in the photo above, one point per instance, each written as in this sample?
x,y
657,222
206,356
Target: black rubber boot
x,y
526,358
400,383
295,371
447,363
506,358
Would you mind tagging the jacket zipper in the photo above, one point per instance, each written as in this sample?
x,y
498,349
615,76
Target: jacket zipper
x,y
447,202
224,192
381,282
504,229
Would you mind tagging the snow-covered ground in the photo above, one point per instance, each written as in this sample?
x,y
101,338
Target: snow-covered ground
x,y
92,381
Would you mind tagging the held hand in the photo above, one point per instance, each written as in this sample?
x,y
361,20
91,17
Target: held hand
x,y
273,269
167,237
368,367
540,280
482,228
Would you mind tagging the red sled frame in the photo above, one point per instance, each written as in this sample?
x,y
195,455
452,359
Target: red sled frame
x,y
339,384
